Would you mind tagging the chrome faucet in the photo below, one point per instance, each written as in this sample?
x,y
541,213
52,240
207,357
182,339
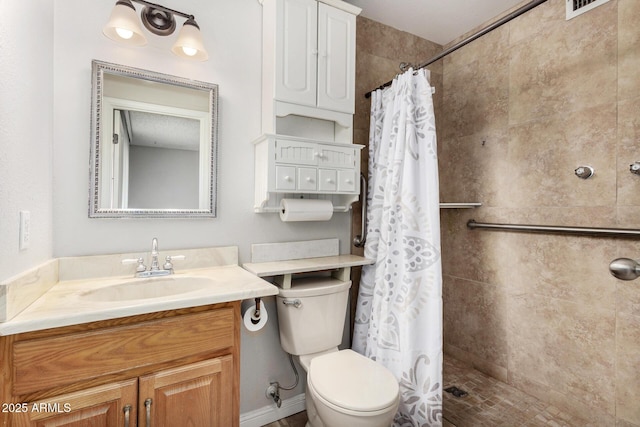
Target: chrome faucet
x,y
155,266
154,270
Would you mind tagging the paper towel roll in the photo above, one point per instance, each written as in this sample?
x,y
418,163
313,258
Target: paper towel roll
x,y
305,210
252,323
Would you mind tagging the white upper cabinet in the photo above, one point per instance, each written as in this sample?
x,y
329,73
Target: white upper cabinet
x,y
309,54
308,101
336,59
296,51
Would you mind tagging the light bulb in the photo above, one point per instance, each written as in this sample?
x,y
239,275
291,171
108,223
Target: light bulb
x,y
124,33
190,51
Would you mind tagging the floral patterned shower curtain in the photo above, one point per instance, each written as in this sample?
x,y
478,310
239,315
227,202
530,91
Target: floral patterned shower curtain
x,y
399,311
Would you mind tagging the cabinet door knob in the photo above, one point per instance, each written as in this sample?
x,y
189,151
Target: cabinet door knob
x,y
309,179
348,181
287,178
329,180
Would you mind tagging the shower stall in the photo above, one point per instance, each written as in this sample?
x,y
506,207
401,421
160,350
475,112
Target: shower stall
x,y
517,111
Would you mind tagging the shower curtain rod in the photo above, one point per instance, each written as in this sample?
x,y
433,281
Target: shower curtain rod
x,y
527,7
555,229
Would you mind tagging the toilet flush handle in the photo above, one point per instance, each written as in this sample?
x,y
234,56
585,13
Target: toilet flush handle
x,y
296,302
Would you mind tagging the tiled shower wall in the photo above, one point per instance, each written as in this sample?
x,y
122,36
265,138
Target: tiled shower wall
x,y
517,111
523,107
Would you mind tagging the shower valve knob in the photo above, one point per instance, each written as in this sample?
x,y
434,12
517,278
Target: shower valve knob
x,y
584,172
635,168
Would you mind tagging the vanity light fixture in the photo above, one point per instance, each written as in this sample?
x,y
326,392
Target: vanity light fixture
x,y
123,27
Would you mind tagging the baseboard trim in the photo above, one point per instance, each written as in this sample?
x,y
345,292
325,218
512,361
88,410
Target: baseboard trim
x,y
270,413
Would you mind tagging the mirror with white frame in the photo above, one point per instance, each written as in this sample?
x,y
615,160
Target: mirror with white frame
x,y
153,144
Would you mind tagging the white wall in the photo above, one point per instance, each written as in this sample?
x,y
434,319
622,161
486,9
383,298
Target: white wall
x,y
26,100
232,33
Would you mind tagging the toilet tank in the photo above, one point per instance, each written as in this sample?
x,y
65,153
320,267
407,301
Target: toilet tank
x,y
317,323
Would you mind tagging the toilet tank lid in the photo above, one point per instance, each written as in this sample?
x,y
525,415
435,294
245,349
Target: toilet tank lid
x,y
314,286
352,381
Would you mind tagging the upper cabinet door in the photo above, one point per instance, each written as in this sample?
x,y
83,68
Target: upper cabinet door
x,y
336,62
296,51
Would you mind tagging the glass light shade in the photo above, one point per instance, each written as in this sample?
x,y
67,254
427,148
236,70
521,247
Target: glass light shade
x,y
189,43
123,25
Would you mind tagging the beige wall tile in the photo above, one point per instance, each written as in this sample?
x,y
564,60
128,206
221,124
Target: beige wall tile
x,y
475,319
472,168
564,346
543,154
572,67
629,149
628,368
628,48
568,268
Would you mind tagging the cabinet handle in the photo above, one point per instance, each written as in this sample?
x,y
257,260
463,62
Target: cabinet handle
x,y
127,415
287,178
147,405
329,180
309,179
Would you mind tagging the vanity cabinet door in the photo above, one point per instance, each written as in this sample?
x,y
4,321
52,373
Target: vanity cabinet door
x,y
198,394
103,406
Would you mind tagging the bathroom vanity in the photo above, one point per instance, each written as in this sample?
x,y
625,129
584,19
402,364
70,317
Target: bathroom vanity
x,y
124,351
149,367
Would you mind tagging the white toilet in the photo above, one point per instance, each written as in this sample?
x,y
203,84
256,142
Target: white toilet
x,y
344,388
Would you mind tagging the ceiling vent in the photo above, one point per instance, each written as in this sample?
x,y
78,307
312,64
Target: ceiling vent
x,y
578,7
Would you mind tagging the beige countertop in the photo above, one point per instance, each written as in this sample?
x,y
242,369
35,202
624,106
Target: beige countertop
x,y
74,299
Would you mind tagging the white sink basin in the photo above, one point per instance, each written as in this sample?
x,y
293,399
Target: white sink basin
x,y
141,289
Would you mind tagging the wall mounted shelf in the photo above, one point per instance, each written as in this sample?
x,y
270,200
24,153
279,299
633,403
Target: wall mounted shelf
x,y
305,168
283,260
284,270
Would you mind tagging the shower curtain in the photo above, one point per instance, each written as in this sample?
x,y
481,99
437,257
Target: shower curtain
x,y
399,310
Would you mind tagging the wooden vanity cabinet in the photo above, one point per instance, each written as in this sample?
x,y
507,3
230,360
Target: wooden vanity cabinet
x,y
171,368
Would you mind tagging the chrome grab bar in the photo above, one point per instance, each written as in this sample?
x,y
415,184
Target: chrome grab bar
x,y
584,231
361,238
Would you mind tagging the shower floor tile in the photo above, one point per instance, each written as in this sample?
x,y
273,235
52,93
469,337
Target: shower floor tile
x,y
492,403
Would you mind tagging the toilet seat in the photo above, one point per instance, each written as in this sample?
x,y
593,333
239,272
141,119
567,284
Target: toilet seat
x,y
352,383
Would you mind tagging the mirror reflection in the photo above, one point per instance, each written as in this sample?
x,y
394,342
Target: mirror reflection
x,y
153,144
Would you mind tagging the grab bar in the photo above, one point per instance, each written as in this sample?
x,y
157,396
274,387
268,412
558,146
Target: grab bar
x,y
554,229
359,240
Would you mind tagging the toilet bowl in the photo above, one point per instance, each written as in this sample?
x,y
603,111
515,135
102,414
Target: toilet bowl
x,y
346,389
